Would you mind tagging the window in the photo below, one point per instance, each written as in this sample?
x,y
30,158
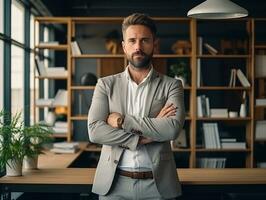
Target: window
x,y
1,74
17,81
1,16
1,53
17,21
32,68
17,58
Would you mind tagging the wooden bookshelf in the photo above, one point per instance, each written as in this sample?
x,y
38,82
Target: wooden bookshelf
x,y
193,31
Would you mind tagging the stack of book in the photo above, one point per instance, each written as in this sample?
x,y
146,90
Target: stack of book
x,y
203,106
211,162
60,127
241,77
261,164
65,147
211,136
261,102
60,99
49,71
219,112
231,143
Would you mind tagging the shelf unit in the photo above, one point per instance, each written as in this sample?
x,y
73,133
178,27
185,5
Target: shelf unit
x,y
39,31
259,88
84,29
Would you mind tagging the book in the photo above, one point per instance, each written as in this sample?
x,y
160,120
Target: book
x,y
260,133
261,102
199,47
210,49
232,82
219,112
75,49
49,43
199,74
260,63
242,78
63,150
49,71
40,67
44,102
233,145
66,145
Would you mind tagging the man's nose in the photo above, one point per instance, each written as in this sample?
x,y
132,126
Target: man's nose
x,y
138,45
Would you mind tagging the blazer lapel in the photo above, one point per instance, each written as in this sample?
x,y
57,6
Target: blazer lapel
x,y
123,92
154,83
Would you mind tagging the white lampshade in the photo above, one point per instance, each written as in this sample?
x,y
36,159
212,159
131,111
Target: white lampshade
x,y
217,9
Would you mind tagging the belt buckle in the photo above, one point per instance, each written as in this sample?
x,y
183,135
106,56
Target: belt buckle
x,y
135,175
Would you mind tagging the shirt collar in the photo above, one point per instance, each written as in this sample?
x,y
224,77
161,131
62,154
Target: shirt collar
x,y
145,80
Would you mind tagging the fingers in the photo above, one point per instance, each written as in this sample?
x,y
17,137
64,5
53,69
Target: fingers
x,y
167,111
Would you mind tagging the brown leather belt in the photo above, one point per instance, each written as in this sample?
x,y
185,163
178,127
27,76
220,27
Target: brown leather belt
x,y
135,175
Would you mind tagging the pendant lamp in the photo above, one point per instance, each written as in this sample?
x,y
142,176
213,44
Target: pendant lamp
x,y
217,9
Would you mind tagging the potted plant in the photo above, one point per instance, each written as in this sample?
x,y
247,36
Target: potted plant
x,y
35,137
12,149
18,142
180,71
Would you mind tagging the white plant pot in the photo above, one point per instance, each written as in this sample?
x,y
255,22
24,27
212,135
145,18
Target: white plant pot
x,y
14,168
30,162
50,118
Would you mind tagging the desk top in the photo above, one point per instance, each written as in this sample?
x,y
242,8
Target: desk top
x,y
53,170
187,176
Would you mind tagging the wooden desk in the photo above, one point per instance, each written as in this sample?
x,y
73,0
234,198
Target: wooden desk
x,y
53,176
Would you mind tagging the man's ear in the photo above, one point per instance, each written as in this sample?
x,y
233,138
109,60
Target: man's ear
x,y
123,45
156,45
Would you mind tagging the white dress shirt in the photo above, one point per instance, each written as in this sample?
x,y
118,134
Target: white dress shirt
x,y
137,160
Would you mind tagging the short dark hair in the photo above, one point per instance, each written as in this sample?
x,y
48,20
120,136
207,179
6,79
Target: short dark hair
x,y
139,19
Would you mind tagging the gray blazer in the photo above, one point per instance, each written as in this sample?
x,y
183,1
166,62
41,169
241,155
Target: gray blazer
x,y
110,96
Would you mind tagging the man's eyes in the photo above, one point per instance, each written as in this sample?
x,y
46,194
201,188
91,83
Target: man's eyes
x,y
145,40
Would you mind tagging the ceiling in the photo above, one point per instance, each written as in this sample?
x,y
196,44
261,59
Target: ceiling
x,y
162,8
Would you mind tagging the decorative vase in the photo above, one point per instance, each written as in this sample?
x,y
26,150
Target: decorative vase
x,y
50,118
14,167
243,110
30,162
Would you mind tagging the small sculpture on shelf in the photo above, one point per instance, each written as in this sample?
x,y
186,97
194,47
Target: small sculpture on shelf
x,y
181,47
113,43
87,79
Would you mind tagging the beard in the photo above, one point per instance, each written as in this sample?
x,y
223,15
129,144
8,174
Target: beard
x,y
142,62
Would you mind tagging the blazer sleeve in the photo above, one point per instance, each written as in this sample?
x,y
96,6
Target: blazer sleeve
x,y
99,131
160,129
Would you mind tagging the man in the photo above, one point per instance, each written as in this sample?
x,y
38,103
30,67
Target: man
x,y
134,115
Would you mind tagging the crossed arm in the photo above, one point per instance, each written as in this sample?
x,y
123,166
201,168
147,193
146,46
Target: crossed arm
x,y
116,120
102,124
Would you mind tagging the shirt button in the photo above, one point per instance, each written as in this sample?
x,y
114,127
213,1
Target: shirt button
x,y
116,161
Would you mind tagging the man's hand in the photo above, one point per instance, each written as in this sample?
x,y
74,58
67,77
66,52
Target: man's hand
x,y
144,140
115,120
167,111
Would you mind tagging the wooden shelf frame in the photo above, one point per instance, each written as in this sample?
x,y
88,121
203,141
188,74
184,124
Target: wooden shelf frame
x,y
192,89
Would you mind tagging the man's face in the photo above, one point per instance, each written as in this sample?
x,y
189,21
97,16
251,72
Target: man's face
x,y
138,45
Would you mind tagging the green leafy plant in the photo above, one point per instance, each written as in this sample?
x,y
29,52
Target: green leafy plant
x,y
35,137
180,69
11,139
18,141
